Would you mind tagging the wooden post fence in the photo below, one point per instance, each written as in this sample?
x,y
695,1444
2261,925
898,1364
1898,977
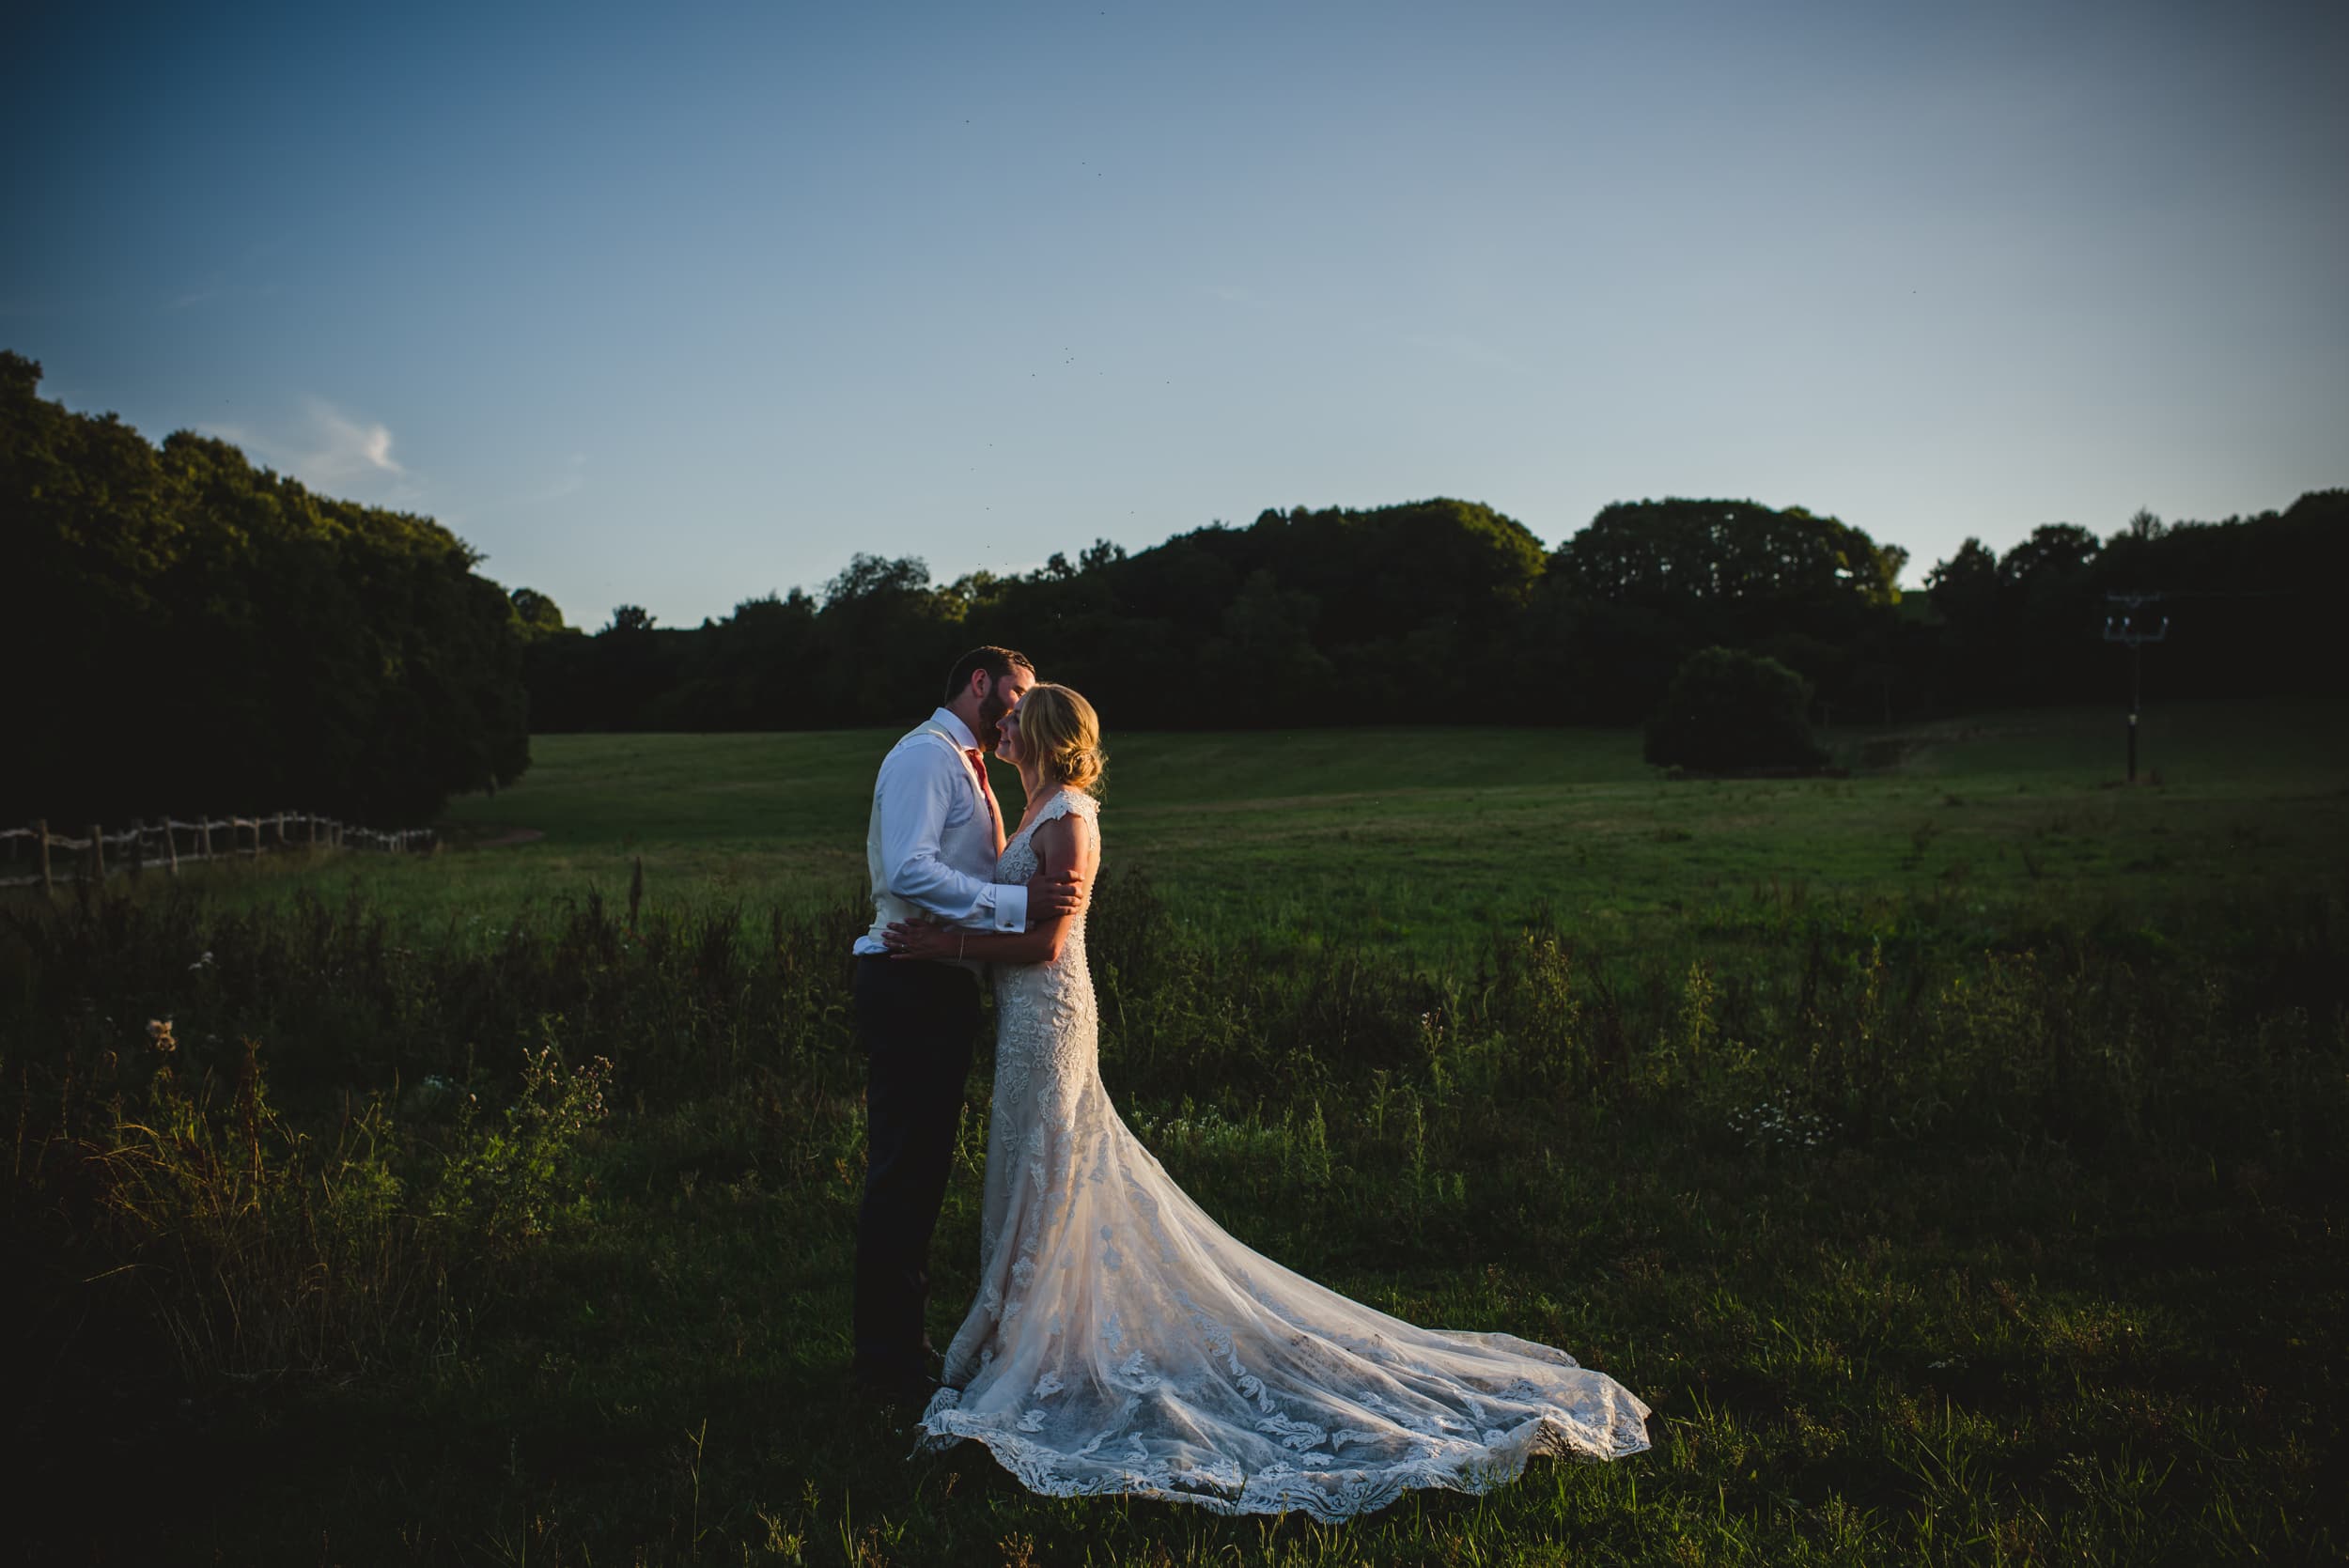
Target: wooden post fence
x,y
317,832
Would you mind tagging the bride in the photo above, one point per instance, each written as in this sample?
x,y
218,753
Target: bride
x,y
1121,1341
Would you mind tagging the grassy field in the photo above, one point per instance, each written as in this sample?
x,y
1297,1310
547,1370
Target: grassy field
x,y
1426,838
1951,1153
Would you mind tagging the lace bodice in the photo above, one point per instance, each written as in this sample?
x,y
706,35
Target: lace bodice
x,y
1045,1013
1123,1343
1017,862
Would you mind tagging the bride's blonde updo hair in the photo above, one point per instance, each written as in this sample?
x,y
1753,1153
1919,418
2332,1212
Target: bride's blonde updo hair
x,y
1060,729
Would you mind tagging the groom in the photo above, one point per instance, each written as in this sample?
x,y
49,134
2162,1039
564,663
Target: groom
x,y
930,849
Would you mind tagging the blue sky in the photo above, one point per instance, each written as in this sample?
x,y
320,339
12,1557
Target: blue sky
x,y
677,308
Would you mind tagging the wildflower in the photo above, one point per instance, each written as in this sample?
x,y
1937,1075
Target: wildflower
x,y
159,1036
204,961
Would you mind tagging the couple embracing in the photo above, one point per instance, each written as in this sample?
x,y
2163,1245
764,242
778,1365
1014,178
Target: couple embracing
x,y
1121,1341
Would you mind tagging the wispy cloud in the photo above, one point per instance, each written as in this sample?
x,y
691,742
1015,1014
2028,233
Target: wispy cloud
x,y
328,449
343,449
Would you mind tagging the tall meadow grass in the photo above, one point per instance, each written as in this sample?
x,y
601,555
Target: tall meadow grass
x,y
305,1151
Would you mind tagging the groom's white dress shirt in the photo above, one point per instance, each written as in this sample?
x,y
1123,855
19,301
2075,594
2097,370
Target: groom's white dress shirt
x,y
929,847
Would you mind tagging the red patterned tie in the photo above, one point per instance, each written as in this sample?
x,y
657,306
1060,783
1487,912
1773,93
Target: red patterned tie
x,y
986,793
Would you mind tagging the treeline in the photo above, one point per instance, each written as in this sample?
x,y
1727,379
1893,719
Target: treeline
x,y
2250,604
191,634
1448,612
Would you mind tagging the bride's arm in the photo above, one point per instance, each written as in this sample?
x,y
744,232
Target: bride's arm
x,y
1063,846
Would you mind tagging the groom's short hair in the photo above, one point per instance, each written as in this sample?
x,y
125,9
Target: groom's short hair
x,y
997,662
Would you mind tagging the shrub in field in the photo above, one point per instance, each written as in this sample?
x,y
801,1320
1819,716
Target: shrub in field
x,y
201,1220
1727,710
256,1249
503,1182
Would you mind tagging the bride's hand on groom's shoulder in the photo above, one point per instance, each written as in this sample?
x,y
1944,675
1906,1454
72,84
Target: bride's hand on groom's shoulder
x,y
1056,896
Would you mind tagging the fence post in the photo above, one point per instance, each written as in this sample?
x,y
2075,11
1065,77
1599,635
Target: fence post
x,y
138,846
281,830
204,836
257,840
98,854
40,838
314,830
171,844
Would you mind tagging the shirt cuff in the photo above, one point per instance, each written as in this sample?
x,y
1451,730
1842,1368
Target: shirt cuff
x,y
1011,909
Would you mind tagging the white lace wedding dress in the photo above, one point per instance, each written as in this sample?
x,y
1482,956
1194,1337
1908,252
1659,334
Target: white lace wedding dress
x,y
1121,1342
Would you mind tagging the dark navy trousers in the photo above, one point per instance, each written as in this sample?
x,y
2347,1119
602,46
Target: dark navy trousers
x,y
918,1021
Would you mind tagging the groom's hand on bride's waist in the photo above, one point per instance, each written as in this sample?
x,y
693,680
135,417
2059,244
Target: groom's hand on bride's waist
x,y
924,939
1052,897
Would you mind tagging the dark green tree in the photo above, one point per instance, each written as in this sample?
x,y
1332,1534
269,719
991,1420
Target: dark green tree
x,y
1732,711
536,616
210,636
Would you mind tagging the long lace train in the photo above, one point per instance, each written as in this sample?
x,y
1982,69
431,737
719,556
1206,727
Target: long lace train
x,y
1123,1342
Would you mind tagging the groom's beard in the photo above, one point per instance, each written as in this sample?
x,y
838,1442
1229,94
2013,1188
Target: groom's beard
x,y
991,714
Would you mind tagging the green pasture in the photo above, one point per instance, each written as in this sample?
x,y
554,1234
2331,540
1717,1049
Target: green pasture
x,y
1951,1152
1425,838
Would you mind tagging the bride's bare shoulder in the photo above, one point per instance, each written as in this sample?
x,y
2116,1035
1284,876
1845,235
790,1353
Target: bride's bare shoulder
x,y
1069,838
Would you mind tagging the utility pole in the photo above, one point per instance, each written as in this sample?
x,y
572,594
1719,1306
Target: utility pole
x,y
2126,627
